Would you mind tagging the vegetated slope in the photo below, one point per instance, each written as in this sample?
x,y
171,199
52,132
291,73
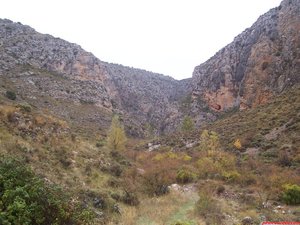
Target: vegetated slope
x,y
60,76
102,180
269,131
64,101
260,63
242,165
78,162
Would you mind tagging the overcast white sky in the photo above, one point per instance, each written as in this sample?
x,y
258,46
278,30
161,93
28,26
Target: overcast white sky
x,y
166,36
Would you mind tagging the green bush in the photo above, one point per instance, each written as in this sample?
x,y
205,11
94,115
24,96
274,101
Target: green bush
x,y
185,175
291,194
231,176
156,184
27,200
11,95
187,124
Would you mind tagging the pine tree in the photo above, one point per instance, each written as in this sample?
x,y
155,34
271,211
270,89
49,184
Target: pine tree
x,y
116,137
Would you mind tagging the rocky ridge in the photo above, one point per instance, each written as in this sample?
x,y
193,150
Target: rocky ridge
x,y
55,75
261,62
60,76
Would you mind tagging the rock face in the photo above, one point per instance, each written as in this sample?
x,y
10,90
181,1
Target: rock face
x,y
152,101
59,76
55,75
260,63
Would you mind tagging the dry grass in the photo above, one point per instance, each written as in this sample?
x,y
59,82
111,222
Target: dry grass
x,y
163,210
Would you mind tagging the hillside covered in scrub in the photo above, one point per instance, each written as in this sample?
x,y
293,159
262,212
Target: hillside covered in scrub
x,y
84,141
245,164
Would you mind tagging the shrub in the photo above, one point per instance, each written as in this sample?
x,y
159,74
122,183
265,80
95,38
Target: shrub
x,y
220,189
247,179
130,198
185,175
156,181
291,194
215,163
284,159
155,185
24,107
11,95
158,174
187,124
115,170
208,208
186,157
166,156
231,176
116,196
26,199
207,167
100,143
209,141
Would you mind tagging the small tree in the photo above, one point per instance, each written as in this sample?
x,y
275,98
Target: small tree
x,y
187,124
209,141
116,138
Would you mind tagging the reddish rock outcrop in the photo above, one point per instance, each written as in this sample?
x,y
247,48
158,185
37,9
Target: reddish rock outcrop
x,y
260,63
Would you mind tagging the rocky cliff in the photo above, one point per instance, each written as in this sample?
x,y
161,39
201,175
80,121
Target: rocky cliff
x,y
59,76
151,101
261,62
55,75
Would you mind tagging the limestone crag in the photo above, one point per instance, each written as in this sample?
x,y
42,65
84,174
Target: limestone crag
x,y
153,100
261,62
60,76
22,46
55,75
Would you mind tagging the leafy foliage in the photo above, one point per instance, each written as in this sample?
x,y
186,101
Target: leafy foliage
x,y
27,200
209,141
213,161
116,136
237,144
291,194
11,95
159,174
185,175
